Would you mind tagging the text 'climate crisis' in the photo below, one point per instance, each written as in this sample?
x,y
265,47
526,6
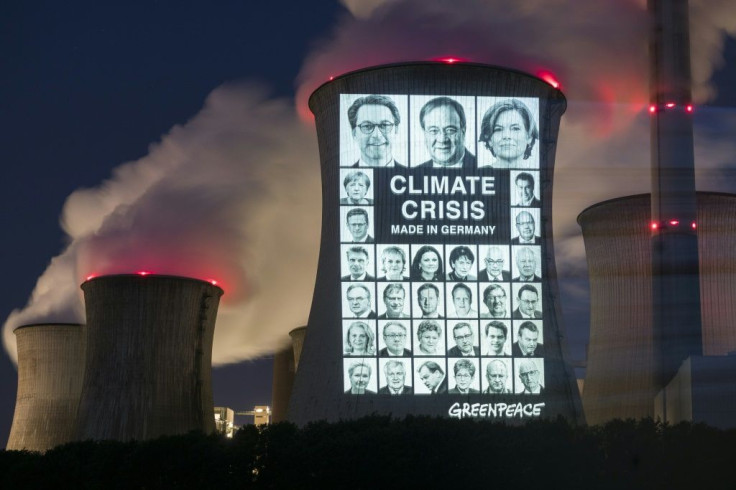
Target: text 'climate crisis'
x,y
460,186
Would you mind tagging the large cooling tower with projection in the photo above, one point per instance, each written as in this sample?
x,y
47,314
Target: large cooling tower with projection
x,y
620,381
149,357
436,288
50,373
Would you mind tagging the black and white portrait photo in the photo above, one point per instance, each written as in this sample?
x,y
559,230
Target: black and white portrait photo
x,y
373,132
525,226
393,262
357,224
430,376
443,132
496,338
427,263
395,338
527,265
359,337
359,376
528,337
429,298
397,379
508,132
496,300
356,188
462,335
466,381
358,263
529,375
429,337
358,300
497,376
525,188
461,263
495,265
527,301
461,298
395,301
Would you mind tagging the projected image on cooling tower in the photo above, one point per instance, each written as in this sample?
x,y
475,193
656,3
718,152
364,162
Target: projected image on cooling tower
x,y
441,247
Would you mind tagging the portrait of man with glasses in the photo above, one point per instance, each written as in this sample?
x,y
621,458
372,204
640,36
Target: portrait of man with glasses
x,y
394,338
464,337
531,376
374,125
496,269
527,304
443,122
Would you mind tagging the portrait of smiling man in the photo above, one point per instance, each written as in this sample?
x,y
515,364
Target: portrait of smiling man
x,y
443,122
374,126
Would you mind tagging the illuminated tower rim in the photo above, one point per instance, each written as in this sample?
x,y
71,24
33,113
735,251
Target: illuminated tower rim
x,y
486,66
153,276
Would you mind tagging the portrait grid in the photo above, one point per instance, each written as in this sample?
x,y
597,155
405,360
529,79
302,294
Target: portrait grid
x,y
401,302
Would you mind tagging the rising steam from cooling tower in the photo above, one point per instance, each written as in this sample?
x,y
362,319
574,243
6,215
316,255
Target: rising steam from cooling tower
x,y
226,197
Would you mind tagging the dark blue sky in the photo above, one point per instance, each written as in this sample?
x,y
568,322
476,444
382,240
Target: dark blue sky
x,y
86,86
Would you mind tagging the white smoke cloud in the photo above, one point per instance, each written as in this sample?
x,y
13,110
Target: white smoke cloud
x,y
226,196
232,195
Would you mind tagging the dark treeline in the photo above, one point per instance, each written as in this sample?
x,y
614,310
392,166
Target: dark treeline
x,y
379,452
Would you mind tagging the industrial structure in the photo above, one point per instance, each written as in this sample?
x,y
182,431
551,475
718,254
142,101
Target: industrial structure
x,y
326,385
149,357
50,373
620,381
660,267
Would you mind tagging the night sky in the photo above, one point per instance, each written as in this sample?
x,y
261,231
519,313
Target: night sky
x,y
87,86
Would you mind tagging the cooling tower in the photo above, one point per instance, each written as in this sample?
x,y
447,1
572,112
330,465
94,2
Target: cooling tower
x,y
149,357
436,288
620,379
50,373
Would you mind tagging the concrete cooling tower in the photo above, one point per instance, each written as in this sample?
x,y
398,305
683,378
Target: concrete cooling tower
x,y
620,380
50,373
436,288
149,357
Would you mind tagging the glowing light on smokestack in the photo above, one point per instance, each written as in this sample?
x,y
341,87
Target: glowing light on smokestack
x,y
669,105
549,78
652,109
689,108
143,273
674,222
654,225
695,226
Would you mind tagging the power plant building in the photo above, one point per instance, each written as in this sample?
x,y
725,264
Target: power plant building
x,y
436,288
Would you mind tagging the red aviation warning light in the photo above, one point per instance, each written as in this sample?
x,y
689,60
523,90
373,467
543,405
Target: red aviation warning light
x,y
450,59
654,225
549,78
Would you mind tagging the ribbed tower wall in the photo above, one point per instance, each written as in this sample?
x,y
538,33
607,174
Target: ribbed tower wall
x,y
50,374
620,380
149,357
325,386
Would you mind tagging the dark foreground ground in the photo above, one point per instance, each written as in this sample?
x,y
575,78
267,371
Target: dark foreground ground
x,y
378,452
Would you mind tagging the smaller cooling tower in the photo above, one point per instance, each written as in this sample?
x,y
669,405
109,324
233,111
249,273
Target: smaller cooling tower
x,y
50,373
283,380
297,341
149,357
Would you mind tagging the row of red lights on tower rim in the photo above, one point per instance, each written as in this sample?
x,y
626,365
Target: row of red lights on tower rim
x,y
669,105
656,225
147,273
